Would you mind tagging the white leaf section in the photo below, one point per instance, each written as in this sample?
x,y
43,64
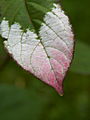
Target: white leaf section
x,y
49,57
4,29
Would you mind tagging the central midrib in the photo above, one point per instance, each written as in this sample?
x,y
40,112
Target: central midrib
x,y
25,2
39,39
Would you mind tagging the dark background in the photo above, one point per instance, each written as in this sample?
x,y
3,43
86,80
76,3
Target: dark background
x,y
23,97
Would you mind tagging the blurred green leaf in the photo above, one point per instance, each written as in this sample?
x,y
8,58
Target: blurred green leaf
x,y
81,62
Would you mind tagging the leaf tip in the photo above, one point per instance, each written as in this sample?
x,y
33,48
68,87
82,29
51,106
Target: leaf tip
x,y
61,94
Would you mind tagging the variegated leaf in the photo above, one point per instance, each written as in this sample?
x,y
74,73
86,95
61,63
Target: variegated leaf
x,y
47,55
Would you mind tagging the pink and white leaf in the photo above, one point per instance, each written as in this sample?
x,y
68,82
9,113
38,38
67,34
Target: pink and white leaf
x,y
49,57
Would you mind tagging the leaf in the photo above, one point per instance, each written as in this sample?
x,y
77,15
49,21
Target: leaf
x,y
81,63
47,54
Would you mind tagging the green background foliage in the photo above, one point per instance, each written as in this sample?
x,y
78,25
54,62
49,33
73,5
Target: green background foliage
x,y
24,97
